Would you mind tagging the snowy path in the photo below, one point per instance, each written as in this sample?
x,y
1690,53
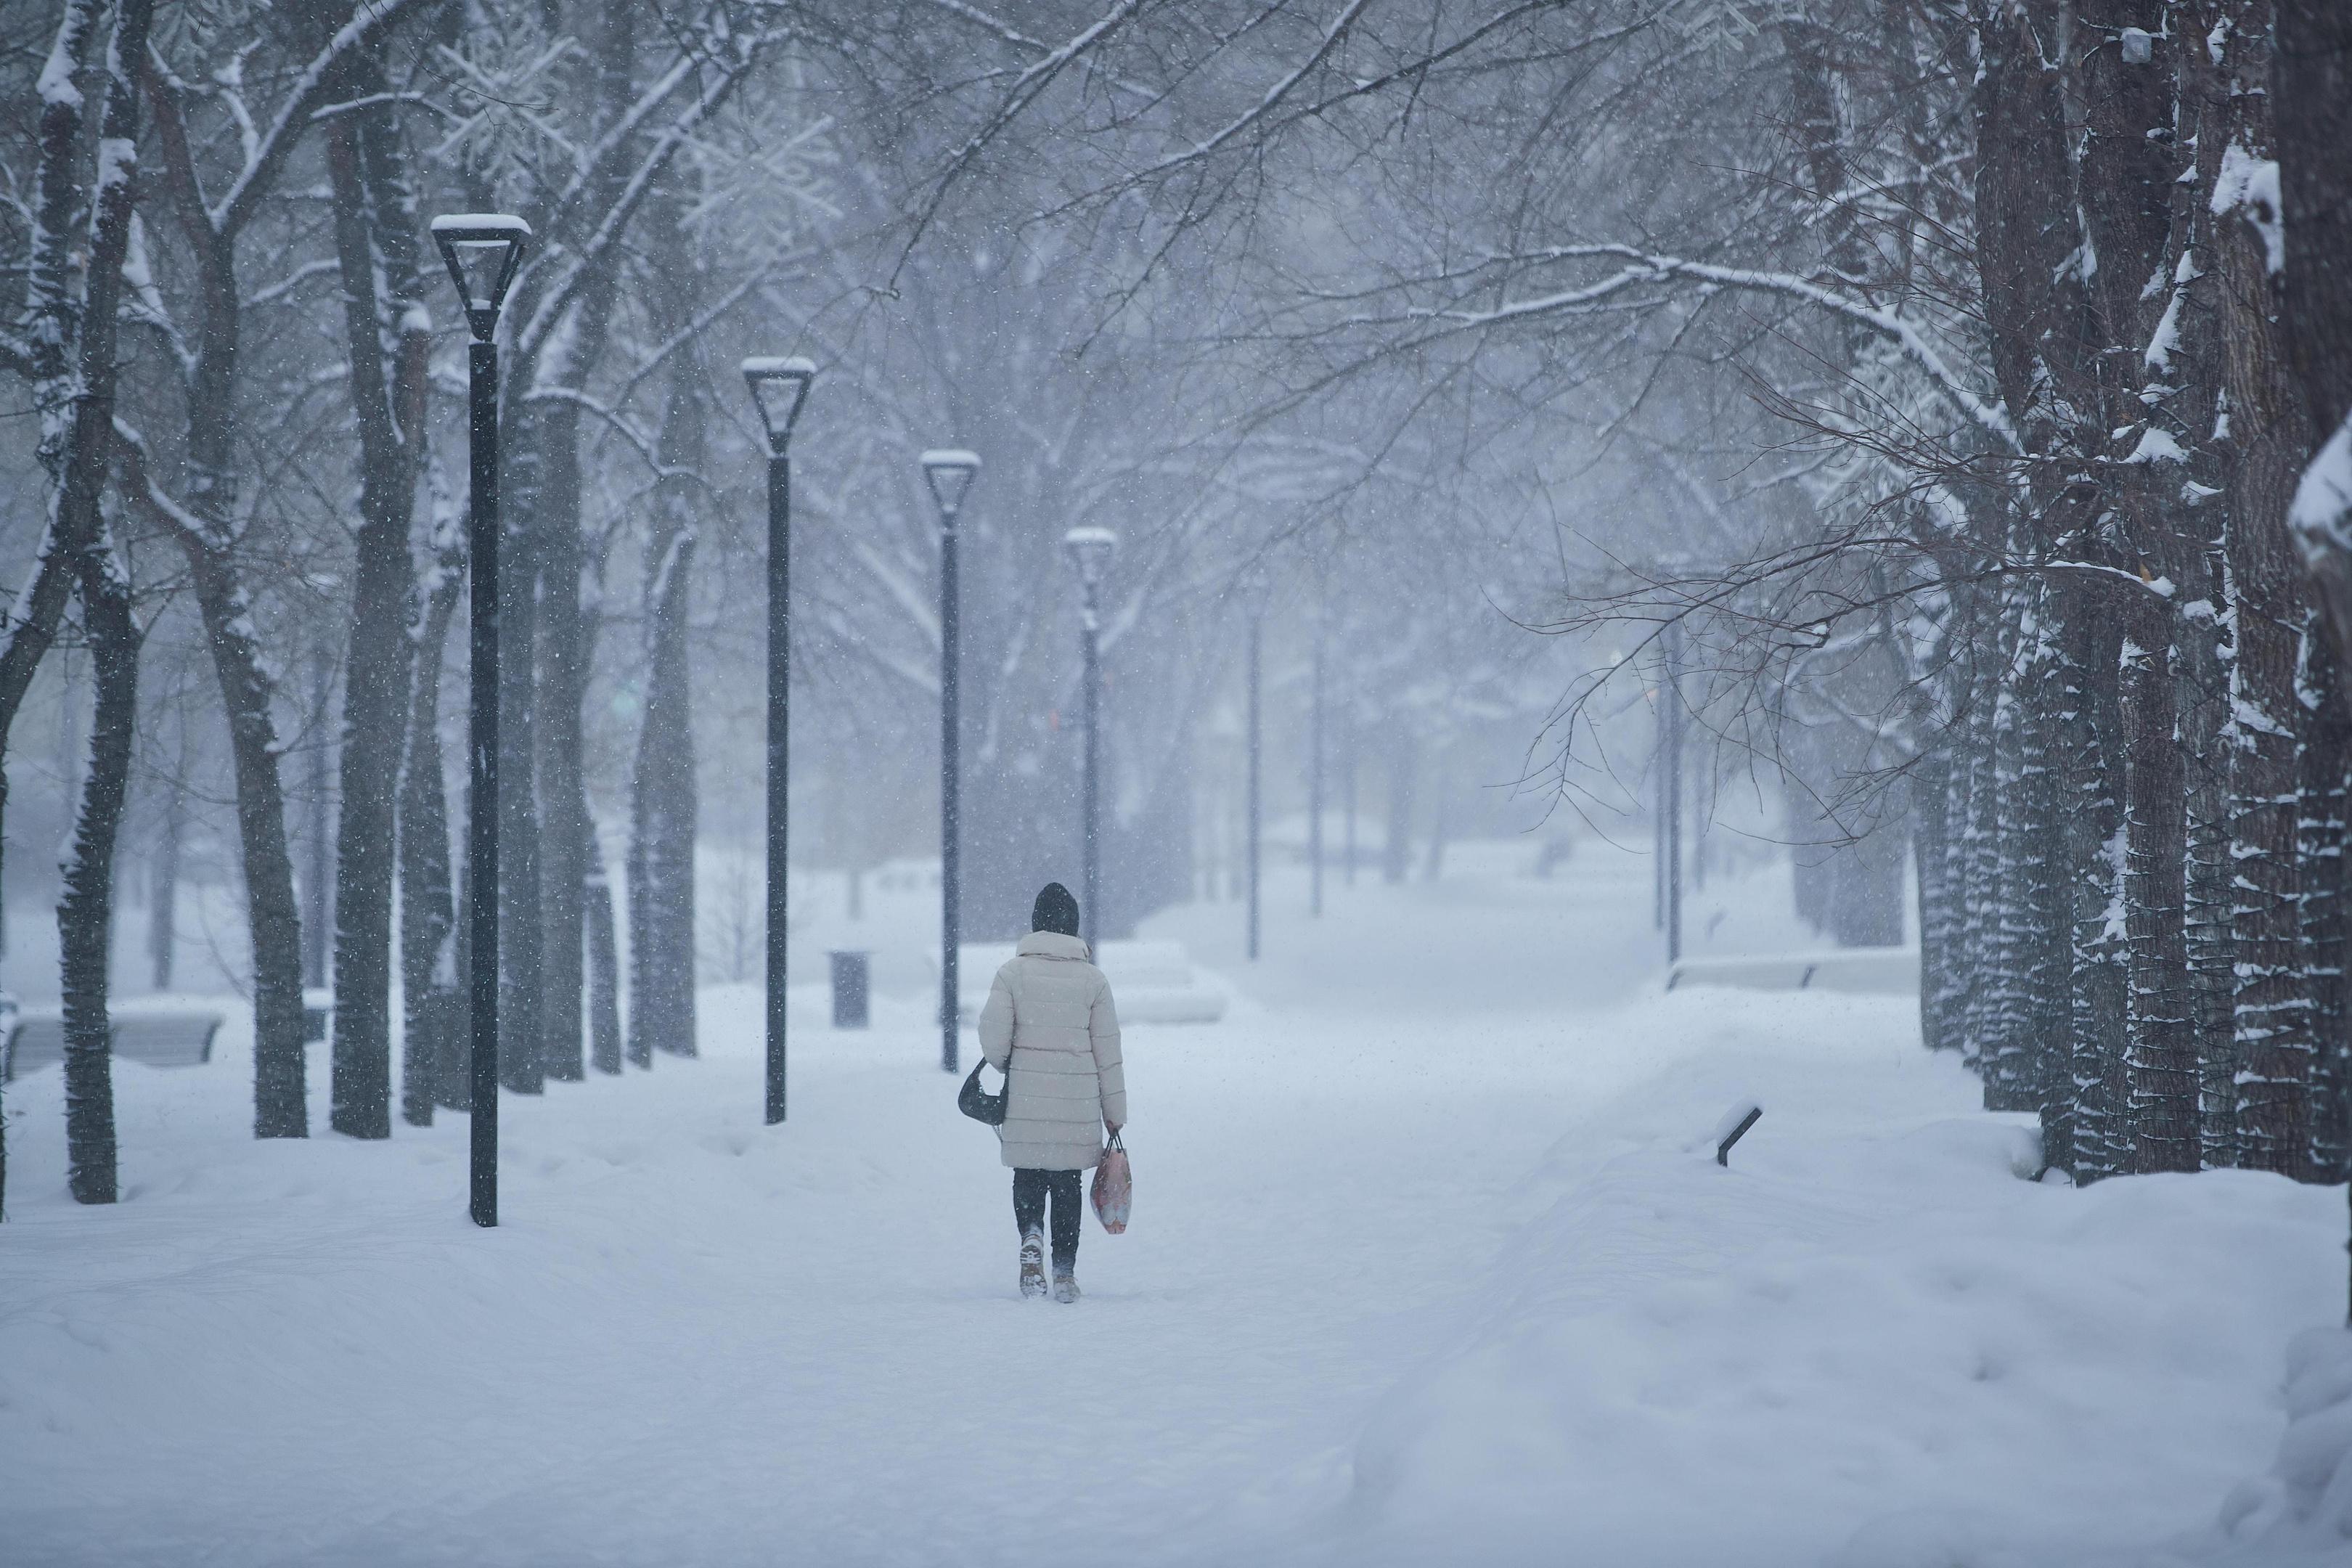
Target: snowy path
x,y
1360,1229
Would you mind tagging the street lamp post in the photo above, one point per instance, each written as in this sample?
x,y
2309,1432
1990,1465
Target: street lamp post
x,y
950,473
1089,551
1670,809
779,387
1256,640
1315,777
481,251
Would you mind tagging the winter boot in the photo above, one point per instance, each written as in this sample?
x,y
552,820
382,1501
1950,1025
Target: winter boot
x,y
1065,1287
1033,1263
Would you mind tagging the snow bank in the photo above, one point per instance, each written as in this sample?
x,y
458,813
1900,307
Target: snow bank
x,y
1868,1343
1434,1266
2301,1512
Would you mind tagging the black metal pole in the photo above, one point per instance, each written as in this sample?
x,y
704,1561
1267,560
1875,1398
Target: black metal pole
x,y
1355,766
1092,849
482,765
1315,782
1658,814
1673,823
951,870
780,710
1257,628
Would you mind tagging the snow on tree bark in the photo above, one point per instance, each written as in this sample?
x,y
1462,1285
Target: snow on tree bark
x,y
387,334
663,812
85,914
435,1047
2268,438
2004,1048
521,921
2162,1048
1931,794
2326,756
86,910
2100,995
2043,891
604,1036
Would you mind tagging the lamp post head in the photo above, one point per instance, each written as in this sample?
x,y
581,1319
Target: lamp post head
x,y
779,387
1089,551
1256,586
481,251
949,472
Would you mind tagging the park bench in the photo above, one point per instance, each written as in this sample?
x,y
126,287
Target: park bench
x,y
161,1039
1154,982
1868,971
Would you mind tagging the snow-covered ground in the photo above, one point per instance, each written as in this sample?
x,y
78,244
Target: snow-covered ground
x,y
1430,1265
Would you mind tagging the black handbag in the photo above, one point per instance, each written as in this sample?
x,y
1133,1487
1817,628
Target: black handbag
x,y
978,1103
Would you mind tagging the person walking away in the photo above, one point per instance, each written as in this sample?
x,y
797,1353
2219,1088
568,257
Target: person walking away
x,y
1050,1027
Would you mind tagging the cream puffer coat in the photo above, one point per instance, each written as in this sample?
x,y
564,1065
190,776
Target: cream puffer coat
x,y
1050,1024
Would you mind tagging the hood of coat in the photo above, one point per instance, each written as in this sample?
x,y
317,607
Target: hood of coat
x,y
1051,944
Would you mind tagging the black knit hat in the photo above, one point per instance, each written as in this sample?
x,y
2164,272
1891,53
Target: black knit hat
x,y
1054,911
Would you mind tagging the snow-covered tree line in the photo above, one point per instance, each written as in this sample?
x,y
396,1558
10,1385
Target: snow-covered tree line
x,y
2044,287
1956,378
1970,377
1993,543
244,550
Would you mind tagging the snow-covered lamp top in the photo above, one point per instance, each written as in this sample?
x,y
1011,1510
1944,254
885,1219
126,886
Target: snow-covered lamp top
x,y
481,251
1255,585
950,471
779,387
1089,551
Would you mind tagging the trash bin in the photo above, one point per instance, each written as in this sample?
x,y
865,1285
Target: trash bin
x,y
317,1008
849,990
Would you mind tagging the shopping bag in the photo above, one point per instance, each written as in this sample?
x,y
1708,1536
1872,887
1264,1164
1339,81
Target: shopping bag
x,y
1114,1187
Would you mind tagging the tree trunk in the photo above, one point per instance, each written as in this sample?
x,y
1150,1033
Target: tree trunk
x,y
386,336
2312,100
86,911
663,806
521,921
604,967
1868,908
1396,854
1957,944
2268,436
1931,787
163,883
2042,892
1433,860
2311,90
56,301
78,443
664,809
432,1042
2209,738
1981,873
563,687
2273,1004
318,906
2186,541
2162,1044
279,1106
562,640
2099,1131
207,528
2320,832
2004,1051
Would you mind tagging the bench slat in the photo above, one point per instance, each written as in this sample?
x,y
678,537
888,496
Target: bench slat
x,y
154,1039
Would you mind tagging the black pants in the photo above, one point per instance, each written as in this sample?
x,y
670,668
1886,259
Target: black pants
x,y
1029,1190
